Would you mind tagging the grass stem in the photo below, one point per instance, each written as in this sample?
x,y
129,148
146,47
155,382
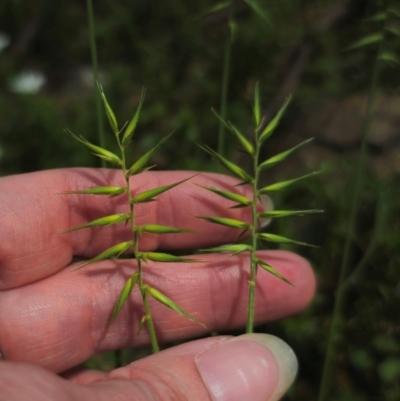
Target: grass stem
x,y
253,258
93,50
225,81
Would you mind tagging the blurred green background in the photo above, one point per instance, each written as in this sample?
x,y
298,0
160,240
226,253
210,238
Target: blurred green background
x,y
176,50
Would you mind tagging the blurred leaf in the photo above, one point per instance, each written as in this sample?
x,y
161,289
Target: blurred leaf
x,y
281,156
361,358
229,195
160,297
395,30
283,184
148,196
98,151
103,221
259,8
273,214
123,297
271,270
112,252
233,248
389,57
382,16
166,257
159,229
389,370
395,11
247,146
98,191
271,126
386,344
281,240
366,41
257,106
130,129
215,9
137,167
236,170
109,112
225,221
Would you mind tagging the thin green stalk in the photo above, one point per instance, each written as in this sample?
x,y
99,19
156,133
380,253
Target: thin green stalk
x,y
93,50
253,262
142,286
225,81
340,295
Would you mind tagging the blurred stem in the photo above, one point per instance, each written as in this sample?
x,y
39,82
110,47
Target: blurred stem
x,y
93,50
225,80
377,233
253,258
334,332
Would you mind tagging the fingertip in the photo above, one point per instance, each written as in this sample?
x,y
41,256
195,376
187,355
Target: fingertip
x,y
298,271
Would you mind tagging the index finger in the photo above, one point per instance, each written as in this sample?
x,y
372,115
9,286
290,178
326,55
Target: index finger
x,y
34,213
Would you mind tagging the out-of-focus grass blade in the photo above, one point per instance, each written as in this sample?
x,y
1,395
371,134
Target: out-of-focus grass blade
x,y
103,221
394,11
281,240
165,257
271,126
281,156
138,166
130,129
274,214
233,168
234,249
283,184
395,30
246,145
163,299
271,270
228,195
257,106
148,196
123,297
259,9
109,253
98,191
226,222
366,41
98,151
214,9
109,112
382,16
389,57
159,229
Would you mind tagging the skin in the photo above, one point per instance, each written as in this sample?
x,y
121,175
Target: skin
x,y
53,317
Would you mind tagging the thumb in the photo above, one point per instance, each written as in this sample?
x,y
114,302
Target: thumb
x,y
255,367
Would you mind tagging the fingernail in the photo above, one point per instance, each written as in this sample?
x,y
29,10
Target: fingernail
x,y
268,205
255,367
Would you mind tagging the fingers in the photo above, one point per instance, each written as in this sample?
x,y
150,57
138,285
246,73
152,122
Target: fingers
x,y
250,367
34,214
59,322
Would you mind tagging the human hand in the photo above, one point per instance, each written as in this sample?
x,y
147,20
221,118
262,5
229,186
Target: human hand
x,y
54,317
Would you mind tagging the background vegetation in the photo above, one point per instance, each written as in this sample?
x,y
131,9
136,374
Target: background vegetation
x,y
175,49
